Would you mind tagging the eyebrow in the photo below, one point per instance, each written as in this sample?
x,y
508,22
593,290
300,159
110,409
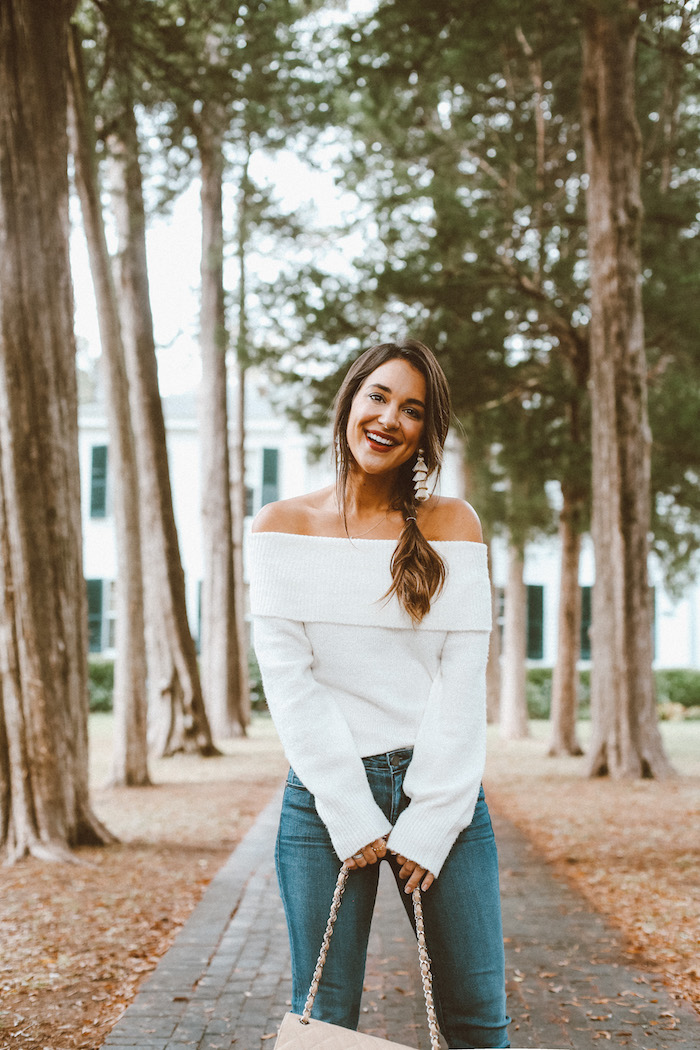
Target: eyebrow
x,y
387,390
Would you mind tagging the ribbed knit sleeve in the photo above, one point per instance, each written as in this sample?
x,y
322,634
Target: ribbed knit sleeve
x,y
315,736
444,776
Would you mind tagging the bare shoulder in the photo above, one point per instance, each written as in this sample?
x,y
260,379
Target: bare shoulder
x,y
294,515
451,519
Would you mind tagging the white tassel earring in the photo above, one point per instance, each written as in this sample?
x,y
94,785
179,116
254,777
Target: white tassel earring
x,y
420,478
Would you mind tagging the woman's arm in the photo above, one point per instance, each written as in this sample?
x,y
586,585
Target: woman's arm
x,y
444,776
316,738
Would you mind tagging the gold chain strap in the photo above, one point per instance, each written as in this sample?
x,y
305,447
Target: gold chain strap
x,y
425,971
424,959
315,980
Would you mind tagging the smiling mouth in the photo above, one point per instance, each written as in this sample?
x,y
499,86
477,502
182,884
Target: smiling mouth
x,y
380,440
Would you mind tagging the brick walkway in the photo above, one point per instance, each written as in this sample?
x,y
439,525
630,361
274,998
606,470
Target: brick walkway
x,y
225,981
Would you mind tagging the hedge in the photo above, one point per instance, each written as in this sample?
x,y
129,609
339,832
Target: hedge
x,y
100,683
677,686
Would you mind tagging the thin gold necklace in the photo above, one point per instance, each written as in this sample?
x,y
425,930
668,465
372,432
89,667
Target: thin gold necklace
x,y
375,526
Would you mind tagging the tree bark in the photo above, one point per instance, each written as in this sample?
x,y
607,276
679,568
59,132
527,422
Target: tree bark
x,y
179,721
221,655
238,513
43,614
130,745
514,723
625,737
238,442
565,677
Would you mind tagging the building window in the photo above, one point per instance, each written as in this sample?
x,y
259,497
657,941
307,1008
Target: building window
x,y
535,619
98,482
586,623
249,501
102,615
94,603
109,626
270,476
535,622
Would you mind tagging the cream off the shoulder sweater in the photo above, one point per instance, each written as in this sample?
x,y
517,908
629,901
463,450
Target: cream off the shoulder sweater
x,y
346,675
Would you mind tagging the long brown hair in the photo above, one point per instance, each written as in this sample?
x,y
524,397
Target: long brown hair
x,y
417,570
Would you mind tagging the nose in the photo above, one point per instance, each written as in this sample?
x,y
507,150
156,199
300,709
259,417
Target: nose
x,y
389,416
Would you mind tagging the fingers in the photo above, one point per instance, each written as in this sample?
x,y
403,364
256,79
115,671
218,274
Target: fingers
x,y
367,855
413,873
408,869
379,848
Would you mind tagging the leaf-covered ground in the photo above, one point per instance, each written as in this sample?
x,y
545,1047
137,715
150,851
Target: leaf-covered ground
x,y
632,849
75,940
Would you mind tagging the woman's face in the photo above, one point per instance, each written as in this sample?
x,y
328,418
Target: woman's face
x,y
386,420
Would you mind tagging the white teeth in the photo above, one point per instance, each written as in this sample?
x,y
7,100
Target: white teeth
x,y
380,440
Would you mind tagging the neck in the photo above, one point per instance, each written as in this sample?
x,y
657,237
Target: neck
x,y
369,495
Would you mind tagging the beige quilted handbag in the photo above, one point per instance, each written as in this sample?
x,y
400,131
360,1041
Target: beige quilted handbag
x,y
306,1033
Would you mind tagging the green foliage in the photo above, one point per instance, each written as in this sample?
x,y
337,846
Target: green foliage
x,y
100,683
674,687
257,693
539,692
463,142
678,686
670,122
475,240
457,126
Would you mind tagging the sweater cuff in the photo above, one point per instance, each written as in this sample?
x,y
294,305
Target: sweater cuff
x,y
427,837
353,821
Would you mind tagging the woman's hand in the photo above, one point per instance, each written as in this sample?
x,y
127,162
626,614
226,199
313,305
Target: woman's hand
x,y
414,873
367,855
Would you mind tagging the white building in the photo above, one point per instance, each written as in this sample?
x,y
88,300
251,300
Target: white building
x,y
279,464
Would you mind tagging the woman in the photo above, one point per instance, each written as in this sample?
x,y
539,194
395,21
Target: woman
x,y
371,608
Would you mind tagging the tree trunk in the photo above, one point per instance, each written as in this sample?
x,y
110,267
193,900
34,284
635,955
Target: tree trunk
x,y
565,676
238,444
625,737
130,746
493,667
43,614
179,721
514,723
220,649
238,509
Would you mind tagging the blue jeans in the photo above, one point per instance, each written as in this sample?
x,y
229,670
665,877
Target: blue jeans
x,y
462,912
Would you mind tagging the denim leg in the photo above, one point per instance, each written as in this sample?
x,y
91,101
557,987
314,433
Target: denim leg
x,y
462,915
462,911
307,871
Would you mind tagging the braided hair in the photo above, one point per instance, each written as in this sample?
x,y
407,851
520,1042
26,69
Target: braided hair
x,y
417,570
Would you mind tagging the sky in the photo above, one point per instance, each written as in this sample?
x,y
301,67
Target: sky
x,y
173,247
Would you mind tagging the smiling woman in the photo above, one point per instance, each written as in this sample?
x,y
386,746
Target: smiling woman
x,y
387,414
373,656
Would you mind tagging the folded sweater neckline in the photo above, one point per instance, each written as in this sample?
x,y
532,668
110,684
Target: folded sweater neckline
x,y
359,539
332,579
